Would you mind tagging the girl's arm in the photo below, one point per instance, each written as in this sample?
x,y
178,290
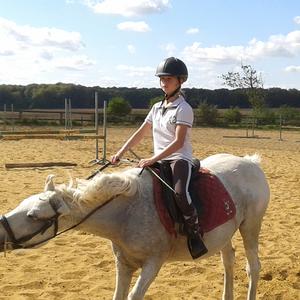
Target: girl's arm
x,y
132,141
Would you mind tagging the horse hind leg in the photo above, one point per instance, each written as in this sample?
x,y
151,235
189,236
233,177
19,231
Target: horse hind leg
x,y
228,260
250,233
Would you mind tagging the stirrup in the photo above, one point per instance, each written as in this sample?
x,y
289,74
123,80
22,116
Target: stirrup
x,y
196,246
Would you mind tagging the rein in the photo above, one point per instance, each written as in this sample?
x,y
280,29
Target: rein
x,y
48,223
54,220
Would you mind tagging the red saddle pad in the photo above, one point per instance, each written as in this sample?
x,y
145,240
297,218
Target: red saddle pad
x,y
217,204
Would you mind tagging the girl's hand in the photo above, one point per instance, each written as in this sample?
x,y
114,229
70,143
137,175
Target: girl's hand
x,y
115,158
146,162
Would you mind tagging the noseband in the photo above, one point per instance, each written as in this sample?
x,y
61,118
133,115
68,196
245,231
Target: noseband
x,y
53,221
47,224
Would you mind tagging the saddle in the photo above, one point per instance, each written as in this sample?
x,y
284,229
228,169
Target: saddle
x,y
211,199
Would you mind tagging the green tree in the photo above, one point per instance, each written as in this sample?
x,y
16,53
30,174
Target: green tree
x,y
118,106
288,113
154,100
264,116
251,82
208,113
233,115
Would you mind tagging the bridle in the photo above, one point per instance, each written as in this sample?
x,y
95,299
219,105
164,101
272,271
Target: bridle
x,y
53,221
47,224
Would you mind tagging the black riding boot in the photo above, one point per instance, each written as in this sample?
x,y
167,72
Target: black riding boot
x,y
195,243
194,237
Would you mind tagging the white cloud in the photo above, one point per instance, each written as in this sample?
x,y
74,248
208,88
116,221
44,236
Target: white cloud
x,y
170,48
35,54
6,52
192,30
128,8
25,36
218,54
292,69
297,20
46,54
74,63
135,71
131,49
134,26
276,46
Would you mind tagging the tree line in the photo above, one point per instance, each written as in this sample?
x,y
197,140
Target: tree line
x,y
51,96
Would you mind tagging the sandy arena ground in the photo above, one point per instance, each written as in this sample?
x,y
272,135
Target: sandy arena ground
x,y
81,266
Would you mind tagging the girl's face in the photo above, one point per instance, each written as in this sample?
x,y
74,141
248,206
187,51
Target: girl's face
x,y
169,84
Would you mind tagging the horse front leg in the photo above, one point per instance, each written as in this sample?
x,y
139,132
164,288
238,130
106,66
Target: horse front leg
x,y
149,271
228,259
123,280
124,274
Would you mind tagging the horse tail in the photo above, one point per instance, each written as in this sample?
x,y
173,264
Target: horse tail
x,y
255,158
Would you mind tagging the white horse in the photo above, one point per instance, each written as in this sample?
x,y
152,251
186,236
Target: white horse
x,y
129,219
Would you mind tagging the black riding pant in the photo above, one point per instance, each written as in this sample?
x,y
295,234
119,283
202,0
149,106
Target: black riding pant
x,y
181,171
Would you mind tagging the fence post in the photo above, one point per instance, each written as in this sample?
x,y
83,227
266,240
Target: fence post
x,y
13,119
253,125
68,114
4,117
280,127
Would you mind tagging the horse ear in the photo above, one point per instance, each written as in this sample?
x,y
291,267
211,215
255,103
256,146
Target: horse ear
x,y
49,184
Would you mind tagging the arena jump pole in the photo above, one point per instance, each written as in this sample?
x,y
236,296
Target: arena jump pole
x,y
97,160
70,114
66,113
104,131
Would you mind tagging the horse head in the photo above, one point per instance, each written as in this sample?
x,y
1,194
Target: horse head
x,y
35,220
38,218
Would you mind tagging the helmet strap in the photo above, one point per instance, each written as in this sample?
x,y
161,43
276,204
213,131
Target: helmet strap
x,y
167,97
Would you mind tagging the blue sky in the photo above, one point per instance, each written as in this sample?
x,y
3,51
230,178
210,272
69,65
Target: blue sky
x,y
120,42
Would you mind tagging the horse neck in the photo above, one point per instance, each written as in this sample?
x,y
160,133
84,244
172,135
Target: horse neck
x,y
109,219
106,221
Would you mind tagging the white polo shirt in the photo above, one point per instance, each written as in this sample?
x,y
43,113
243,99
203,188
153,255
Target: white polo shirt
x,y
164,121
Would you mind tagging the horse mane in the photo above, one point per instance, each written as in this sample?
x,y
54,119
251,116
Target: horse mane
x,y
103,187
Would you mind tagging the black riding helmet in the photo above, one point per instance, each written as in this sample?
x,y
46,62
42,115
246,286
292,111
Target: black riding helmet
x,y
172,66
